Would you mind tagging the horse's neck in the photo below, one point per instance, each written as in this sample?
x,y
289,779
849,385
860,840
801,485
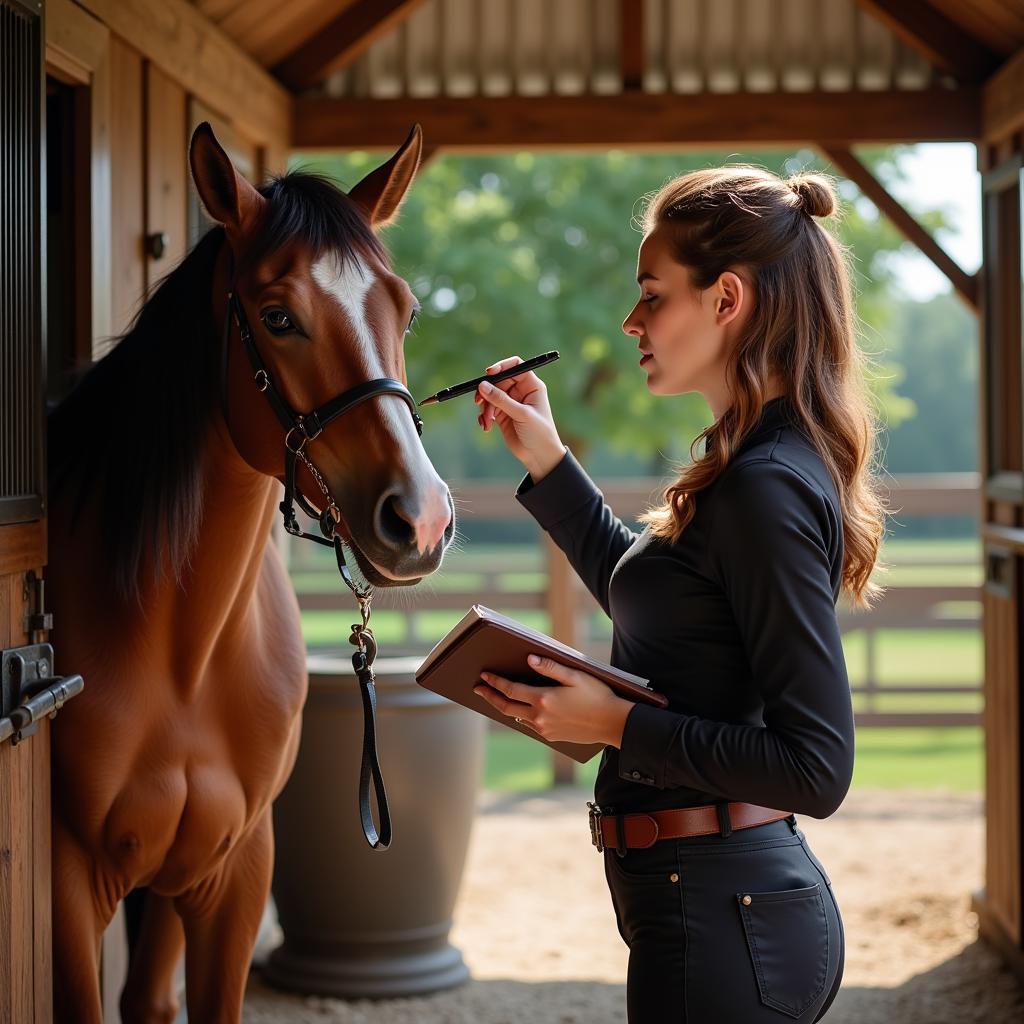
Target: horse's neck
x,y
219,585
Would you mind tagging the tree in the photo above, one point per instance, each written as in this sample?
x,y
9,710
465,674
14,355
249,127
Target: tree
x,y
519,253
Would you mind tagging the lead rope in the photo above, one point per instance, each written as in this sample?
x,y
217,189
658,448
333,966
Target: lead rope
x,y
362,635
362,661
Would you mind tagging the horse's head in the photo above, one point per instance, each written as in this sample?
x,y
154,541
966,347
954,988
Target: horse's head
x,y
326,314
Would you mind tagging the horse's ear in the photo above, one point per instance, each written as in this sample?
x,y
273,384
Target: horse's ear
x,y
381,192
228,197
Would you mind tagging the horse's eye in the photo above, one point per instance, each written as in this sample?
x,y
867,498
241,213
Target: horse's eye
x,y
278,321
412,320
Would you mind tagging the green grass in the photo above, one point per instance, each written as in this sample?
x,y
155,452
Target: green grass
x,y
897,758
888,757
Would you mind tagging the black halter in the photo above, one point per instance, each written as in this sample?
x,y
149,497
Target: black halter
x,y
300,429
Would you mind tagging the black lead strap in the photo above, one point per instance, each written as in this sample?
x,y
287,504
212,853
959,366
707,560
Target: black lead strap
x,y
299,429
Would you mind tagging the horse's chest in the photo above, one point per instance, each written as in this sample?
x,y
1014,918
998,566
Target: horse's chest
x,y
204,770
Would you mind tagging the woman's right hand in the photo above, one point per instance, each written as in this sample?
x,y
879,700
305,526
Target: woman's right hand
x,y
519,406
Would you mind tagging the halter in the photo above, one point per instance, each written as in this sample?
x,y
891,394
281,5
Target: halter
x,y
299,430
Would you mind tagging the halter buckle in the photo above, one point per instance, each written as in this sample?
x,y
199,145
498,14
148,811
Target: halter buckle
x,y
309,425
288,439
262,379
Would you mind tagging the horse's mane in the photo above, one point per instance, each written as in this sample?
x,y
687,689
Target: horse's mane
x,y
130,434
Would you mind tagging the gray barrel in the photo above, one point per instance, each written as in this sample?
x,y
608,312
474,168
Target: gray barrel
x,y
360,923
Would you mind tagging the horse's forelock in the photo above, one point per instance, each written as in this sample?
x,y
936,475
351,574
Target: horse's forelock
x,y
308,209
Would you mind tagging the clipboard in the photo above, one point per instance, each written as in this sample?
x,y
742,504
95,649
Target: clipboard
x,y
486,640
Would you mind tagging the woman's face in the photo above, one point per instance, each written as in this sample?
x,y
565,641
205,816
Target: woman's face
x,y
684,333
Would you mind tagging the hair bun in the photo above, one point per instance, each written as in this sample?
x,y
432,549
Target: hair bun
x,y
816,193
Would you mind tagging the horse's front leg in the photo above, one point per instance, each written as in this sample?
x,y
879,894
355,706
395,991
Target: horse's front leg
x,y
149,996
222,919
79,921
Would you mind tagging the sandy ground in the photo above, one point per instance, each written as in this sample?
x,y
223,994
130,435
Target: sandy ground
x,y
536,928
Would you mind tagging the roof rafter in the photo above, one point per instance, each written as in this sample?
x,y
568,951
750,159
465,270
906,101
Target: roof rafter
x,y
345,38
642,120
931,33
966,285
631,44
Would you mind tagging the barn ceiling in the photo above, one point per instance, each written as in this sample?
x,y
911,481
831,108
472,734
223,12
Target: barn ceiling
x,y
464,48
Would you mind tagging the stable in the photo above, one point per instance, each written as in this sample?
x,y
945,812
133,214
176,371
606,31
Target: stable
x,y
97,104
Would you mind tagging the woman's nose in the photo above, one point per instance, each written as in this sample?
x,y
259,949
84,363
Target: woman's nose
x,y
630,326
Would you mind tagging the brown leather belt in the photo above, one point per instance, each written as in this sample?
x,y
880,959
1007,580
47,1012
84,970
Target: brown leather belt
x,y
638,831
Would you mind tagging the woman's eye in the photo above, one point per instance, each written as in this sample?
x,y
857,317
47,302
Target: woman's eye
x,y
278,321
650,298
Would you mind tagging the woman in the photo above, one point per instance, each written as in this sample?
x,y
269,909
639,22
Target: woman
x,y
725,601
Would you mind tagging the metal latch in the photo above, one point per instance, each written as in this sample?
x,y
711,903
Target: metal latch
x,y
38,620
29,692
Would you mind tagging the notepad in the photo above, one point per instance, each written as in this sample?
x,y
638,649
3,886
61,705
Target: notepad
x,y
487,641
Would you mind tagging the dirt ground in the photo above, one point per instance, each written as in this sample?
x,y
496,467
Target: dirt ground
x,y
536,928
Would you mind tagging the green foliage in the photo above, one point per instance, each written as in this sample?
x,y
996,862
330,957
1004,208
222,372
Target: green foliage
x,y
519,253
938,342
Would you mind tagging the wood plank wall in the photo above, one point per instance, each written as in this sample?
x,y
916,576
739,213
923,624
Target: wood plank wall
x,y
1003,759
25,956
1000,905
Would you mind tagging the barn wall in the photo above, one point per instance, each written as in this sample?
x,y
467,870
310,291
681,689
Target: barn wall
x,y
143,96
1000,905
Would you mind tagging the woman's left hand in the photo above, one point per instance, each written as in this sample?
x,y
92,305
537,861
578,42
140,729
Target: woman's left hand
x,y
580,710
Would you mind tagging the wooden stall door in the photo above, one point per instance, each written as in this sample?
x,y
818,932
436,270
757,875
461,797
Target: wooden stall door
x,y
25,959
1000,905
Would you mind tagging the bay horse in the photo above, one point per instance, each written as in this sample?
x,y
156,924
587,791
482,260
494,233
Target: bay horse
x,y
166,463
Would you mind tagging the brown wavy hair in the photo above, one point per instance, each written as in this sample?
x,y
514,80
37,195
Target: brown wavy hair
x,y
801,330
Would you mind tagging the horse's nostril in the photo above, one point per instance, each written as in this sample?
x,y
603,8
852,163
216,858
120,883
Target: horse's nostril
x,y
392,527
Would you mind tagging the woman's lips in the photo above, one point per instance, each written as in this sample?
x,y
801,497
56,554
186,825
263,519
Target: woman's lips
x,y
646,358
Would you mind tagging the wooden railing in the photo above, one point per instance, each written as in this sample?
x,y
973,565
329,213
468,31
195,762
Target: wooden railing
x,y
565,608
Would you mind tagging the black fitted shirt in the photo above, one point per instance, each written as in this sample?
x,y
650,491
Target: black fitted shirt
x,y
735,623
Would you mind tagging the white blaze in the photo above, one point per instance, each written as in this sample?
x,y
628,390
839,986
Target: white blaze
x,y
349,281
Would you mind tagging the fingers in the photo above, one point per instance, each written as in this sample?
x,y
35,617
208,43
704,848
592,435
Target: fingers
x,y
511,708
504,364
554,670
502,401
519,387
522,695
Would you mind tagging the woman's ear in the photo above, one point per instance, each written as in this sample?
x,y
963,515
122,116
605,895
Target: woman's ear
x,y
731,297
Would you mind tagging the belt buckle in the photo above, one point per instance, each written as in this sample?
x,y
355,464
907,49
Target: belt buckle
x,y
595,813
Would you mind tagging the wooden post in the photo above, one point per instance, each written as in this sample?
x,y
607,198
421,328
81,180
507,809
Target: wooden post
x,y
562,611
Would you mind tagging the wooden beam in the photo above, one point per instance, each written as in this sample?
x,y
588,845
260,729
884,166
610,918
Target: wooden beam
x,y
198,55
77,36
650,121
345,38
966,285
631,43
1002,101
942,42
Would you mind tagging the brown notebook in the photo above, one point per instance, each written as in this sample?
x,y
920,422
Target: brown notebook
x,y
487,641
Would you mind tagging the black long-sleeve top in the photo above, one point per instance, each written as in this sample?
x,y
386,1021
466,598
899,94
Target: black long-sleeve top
x,y
735,623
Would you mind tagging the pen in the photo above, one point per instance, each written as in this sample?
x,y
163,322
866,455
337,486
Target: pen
x,y
468,386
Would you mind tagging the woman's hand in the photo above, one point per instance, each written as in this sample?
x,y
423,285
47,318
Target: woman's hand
x,y
581,710
519,405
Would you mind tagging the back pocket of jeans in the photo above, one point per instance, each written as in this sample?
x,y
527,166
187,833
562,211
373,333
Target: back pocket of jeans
x,y
787,935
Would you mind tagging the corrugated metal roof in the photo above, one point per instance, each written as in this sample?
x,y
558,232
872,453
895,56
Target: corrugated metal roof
x,y
539,47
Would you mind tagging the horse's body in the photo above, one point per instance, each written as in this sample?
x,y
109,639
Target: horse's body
x,y
166,766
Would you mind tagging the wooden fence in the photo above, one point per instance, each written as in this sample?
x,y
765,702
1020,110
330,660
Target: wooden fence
x,y
540,582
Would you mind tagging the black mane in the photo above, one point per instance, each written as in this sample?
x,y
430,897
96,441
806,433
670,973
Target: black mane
x,y
130,434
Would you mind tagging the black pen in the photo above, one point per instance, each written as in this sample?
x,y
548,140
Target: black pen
x,y
468,386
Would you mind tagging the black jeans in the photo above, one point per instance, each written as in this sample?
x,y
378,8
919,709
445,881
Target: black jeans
x,y
740,929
